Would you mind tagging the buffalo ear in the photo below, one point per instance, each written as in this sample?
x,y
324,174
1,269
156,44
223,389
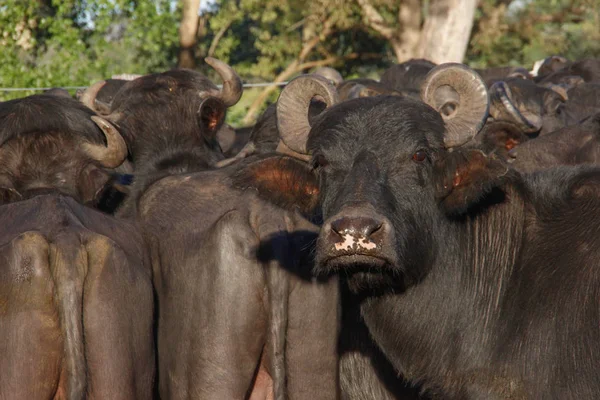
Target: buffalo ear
x,y
211,115
465,177
91,183
281,180
501,136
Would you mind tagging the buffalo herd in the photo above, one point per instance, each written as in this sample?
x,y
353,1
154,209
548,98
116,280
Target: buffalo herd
x,y
427,235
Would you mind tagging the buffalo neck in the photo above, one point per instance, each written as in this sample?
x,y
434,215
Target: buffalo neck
x,y
460,301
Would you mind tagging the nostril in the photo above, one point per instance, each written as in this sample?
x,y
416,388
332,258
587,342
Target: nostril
x,y
356,225
372,228
339,226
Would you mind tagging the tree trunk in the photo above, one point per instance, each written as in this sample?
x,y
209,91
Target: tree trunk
x,y
409,22
447,30
188,34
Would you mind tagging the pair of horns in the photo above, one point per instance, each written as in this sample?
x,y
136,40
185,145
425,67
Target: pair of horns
x,y
230,94
457,92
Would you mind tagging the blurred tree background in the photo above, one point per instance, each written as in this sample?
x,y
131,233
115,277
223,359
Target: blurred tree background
x,y
50,43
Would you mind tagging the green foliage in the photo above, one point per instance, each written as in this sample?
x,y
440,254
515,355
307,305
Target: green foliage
x,y
49,43
520,33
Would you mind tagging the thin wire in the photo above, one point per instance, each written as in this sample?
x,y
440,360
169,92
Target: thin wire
x,y
246,85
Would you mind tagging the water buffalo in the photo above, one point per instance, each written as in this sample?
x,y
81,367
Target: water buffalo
x,y
239,314
473,279
76,299
145,110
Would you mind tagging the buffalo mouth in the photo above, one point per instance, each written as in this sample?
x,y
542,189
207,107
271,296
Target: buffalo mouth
x,y
347,264
355,261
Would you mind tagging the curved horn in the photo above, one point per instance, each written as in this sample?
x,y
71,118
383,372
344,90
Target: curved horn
x,y
293,106
460,95
503,108
232,84
115,151
89,95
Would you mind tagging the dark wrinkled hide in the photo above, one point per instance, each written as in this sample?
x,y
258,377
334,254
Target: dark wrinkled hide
x,y
477,282
233,281
407,77
76,304
576,144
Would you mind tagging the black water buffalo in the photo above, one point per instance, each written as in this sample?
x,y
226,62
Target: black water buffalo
x,y
364,372
474,280
239,314
76,299
172,113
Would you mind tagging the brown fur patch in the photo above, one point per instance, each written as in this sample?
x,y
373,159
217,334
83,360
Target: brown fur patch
x,y
284,181
464,177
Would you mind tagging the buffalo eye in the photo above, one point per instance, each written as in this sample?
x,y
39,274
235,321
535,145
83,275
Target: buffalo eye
x,y
419,156
319,161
